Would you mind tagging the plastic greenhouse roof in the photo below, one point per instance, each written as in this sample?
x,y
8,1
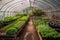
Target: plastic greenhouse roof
x,y
18,5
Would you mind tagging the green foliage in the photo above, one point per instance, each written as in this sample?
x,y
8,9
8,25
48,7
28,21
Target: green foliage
x,y
8,26
14,26
20,15
12,31
7,18
44,17
37,12
24,18
1,22
45,30
11,18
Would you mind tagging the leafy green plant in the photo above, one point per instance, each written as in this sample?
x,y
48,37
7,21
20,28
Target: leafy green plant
x,y
14,26
12,31
45,30
24,18
37,12
1,22
11,18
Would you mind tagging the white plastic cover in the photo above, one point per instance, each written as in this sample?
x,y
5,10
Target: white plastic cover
x,y
9,7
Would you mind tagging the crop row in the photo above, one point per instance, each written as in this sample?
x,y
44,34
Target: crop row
x,y
13,27
45,30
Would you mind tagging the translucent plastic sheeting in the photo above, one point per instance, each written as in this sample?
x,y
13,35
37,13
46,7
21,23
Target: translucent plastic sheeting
x,y
11,3
47,4
7,6
42,4
54,4
15,6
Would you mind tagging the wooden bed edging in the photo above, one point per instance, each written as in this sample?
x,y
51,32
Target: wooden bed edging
x,y
40,37
13,37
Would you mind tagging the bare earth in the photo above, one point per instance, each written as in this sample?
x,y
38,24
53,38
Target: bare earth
x,y
29,32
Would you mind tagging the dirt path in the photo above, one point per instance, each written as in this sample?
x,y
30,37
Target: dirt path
x,y
29,32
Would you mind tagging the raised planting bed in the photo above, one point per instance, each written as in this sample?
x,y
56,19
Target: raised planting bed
x,y
8,20
46,31
24,18
12,30
16,24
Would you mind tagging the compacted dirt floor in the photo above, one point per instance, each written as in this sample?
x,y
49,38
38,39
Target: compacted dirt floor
x,y
29,32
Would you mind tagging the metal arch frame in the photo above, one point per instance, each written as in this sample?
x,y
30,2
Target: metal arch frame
x,y
18,6
9,6
42,5
56,2
47,4
15,6
50,3
13,3
13,0
53,4
37,7
6,4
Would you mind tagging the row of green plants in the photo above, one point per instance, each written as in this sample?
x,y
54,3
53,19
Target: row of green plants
x,y
10,18
37,12
13,27
46,31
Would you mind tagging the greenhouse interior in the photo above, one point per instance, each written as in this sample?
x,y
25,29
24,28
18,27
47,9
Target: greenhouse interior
x,y
29,19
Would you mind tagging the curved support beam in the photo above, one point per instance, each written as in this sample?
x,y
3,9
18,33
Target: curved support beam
x,y
47,4
6,4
